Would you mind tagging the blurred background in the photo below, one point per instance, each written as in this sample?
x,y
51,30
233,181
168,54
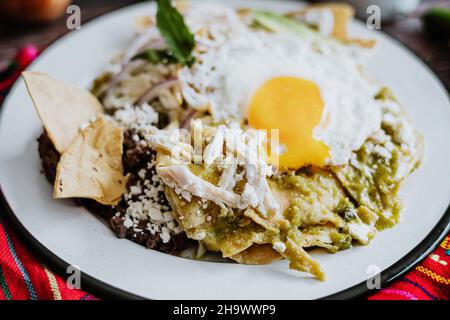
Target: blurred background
x,y
423,25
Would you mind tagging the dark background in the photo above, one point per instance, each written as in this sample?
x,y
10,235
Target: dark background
x,y
15,34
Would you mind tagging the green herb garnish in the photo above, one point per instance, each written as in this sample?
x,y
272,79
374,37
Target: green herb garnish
x,y
156,56
176,34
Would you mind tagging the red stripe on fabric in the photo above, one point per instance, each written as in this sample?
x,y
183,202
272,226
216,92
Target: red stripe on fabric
x,y
389,294
67,293
11,272
439,263
36,273
410,287
431,290
438,288
35,270
425,282
399,291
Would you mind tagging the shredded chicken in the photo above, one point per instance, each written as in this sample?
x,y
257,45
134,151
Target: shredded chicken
x,y
170,144
215,149
229,176
243,149
181,178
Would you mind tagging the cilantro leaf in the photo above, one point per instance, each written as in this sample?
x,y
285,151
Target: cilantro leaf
x,y
156,56
176,34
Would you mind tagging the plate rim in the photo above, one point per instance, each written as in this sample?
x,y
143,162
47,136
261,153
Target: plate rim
x,y
358,291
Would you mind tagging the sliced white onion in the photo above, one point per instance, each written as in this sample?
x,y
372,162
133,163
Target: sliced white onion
x,y
186,122
116,78
155,44
146,37
154,91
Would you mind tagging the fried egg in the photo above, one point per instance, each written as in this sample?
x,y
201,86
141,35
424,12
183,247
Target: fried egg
x,y
315,95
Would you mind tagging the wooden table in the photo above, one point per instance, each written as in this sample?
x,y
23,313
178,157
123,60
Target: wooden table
x,y
13,35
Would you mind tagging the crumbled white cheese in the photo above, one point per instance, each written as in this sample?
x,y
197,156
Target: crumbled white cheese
x,y
364,169
243,150
199,235
140,119
128,222
136,138
279,247
404,132
168,216
156,215
170,142
181,178
359,231
144,203
390,106
165,235
135,190
380,137
382,151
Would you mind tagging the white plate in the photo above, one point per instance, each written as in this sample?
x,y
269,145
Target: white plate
x,y
69,234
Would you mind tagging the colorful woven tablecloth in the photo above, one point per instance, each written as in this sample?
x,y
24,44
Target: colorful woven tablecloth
x,y
22,276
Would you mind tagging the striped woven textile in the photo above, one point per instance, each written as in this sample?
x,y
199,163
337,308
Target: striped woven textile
x,y
22,276
430,280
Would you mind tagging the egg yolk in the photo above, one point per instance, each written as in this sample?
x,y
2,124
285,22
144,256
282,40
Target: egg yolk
x,y
294,106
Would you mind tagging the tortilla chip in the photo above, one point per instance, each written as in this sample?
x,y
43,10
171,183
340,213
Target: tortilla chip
x,y
92,166
257,254
61,107
343,14
300,260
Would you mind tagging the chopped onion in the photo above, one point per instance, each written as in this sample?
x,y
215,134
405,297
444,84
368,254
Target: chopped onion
x,y
147,36
154,91
116,78
186,122
156,44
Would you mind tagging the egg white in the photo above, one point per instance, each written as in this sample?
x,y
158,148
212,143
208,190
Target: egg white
x,y
228,72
